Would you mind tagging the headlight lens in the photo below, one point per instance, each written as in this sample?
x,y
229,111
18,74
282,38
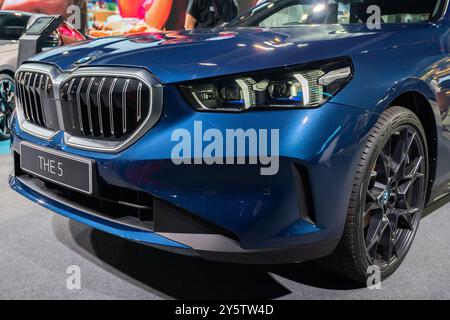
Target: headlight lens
x,y
301,87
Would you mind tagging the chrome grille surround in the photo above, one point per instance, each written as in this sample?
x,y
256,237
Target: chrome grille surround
x,y
61,117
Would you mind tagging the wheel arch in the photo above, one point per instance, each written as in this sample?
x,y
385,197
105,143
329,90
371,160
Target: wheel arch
x,y
418,103
8,72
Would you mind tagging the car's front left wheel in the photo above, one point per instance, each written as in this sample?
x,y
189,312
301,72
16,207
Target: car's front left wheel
x,y
7,104
387,199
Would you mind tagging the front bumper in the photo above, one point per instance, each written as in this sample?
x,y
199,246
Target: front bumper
x,y
235,214
209,246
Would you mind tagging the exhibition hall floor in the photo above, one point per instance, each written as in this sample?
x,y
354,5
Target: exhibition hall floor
x,y
37,247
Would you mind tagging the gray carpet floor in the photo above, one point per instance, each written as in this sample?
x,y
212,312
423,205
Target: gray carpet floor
x,y
37,247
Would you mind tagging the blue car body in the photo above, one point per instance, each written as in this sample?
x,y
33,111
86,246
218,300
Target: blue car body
x,y
261,218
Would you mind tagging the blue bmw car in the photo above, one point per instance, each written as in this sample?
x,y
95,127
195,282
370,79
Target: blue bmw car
x,y
301,130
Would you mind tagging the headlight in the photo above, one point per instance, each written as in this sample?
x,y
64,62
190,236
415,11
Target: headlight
x,y
290,87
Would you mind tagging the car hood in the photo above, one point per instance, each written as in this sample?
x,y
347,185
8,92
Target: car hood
x,y
181,55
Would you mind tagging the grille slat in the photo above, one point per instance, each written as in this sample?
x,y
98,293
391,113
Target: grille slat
x,y
70,100
46,86
139,101
28,97
88,104
34,106
80,114
37,100
47,100
101,107
25,97
110,106
40,99
124,106
21,96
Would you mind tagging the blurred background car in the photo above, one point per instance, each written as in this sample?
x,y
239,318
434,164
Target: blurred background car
x,y
12,26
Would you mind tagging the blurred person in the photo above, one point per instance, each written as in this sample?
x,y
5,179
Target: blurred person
x,y
210,13
157,12
154,12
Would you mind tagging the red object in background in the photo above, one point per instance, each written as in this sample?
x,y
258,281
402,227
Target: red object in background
x,y
154,12
132,9
69,34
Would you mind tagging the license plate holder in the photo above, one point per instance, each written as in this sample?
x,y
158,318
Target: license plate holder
x,y
64,169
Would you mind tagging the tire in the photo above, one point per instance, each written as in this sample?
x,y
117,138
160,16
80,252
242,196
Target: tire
x,y
401,202
6,104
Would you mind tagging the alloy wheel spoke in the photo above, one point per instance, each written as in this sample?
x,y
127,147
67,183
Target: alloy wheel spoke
x,y
371,203
6,91
405,216
377,227
373,179
405,221
386,159
387,247
401,150
413,172
412,175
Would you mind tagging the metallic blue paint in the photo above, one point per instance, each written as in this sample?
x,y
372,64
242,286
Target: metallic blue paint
x,y
263,211
103,225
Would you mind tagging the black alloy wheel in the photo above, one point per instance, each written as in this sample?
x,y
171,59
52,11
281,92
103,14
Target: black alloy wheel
x,y
394,196
387,199
7,104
